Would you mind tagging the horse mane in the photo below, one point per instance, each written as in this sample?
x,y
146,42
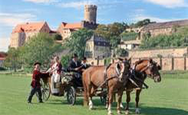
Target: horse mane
x,y
140,61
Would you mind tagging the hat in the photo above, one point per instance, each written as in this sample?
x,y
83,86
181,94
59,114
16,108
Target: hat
x,y
37,63
74,56
84,58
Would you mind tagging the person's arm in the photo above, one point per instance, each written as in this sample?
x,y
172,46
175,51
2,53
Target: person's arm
x,y
71,67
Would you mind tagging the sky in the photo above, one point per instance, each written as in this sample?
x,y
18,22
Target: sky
x,y
13,12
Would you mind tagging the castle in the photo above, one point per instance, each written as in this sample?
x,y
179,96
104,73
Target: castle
x,y
23,32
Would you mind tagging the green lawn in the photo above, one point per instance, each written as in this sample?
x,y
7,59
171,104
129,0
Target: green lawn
x,y
170,97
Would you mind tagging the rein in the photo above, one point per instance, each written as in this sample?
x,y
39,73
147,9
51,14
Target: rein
x,y
138,79
145,85
108,79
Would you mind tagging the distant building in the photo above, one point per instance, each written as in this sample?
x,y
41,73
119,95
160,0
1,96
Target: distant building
x,y
65,29
2,58
89,22
97,47
23,32
164,28
129,45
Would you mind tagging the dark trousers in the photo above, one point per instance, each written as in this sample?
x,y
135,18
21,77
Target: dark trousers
x,y
33,91
77,79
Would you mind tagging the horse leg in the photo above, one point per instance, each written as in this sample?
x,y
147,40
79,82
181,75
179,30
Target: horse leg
x,y
85,93
127,100
137,111
119,101
110,100
90,97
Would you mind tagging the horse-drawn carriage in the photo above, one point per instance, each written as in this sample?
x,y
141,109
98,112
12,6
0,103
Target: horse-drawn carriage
x,y
67,89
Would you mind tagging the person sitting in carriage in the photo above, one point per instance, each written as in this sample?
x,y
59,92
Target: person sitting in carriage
x,y
55,70
84,64
76,67
35,84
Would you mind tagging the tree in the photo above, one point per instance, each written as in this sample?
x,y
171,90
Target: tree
x,y
102,30
77,41
111,32
13,61
65,60
141,23
41,48
57,37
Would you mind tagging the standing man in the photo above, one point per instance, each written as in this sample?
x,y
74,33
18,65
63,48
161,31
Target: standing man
x,y
35,84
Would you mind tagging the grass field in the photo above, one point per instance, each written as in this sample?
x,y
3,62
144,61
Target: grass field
x,y
170,97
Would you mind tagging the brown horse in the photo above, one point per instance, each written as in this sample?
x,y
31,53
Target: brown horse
x,y
113,78
140,71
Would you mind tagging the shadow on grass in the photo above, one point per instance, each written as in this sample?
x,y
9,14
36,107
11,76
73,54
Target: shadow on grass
x,y
162,111
145,110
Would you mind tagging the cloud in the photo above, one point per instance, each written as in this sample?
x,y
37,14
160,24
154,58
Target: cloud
x,y
4,43
140,14
140,17
41,1
101,4
12,19
77,5
169,3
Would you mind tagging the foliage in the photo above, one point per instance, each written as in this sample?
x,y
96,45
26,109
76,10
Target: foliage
x,y
141,23
178,39
65,60
13,61
126,36
111,32
39,48
57,37
107,61
121,52
77,41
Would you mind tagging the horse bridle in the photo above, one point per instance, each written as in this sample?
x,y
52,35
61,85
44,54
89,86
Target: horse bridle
x,y
144,69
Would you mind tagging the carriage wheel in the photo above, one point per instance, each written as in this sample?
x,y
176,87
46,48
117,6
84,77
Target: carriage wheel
x,y
71,95
103,99
45,89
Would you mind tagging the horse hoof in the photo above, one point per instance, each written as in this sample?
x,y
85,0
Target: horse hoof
x,y
137,111
110,113
126,112
119,112
90,108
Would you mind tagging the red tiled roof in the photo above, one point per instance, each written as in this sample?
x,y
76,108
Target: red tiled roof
x,y
3,55
2,59
27,27
71,25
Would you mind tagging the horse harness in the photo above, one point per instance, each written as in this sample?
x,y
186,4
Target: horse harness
x,y
118,73
133,76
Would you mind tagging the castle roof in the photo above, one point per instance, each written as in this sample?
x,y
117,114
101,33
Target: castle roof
x,y
28,27
71,25
162,25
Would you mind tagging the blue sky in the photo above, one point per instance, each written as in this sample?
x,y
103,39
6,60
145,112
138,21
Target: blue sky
x,y
54,12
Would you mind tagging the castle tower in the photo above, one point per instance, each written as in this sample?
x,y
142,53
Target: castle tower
x,y
90,13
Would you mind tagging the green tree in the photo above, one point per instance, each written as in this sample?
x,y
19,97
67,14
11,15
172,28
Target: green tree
x,y
41,48
77,41
65,60
111,32
57,37
13,61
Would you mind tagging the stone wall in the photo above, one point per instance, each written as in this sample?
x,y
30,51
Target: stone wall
x,y
174,52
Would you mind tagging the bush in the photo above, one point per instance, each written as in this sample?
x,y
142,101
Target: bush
x,y
121,52
129,36
65,60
